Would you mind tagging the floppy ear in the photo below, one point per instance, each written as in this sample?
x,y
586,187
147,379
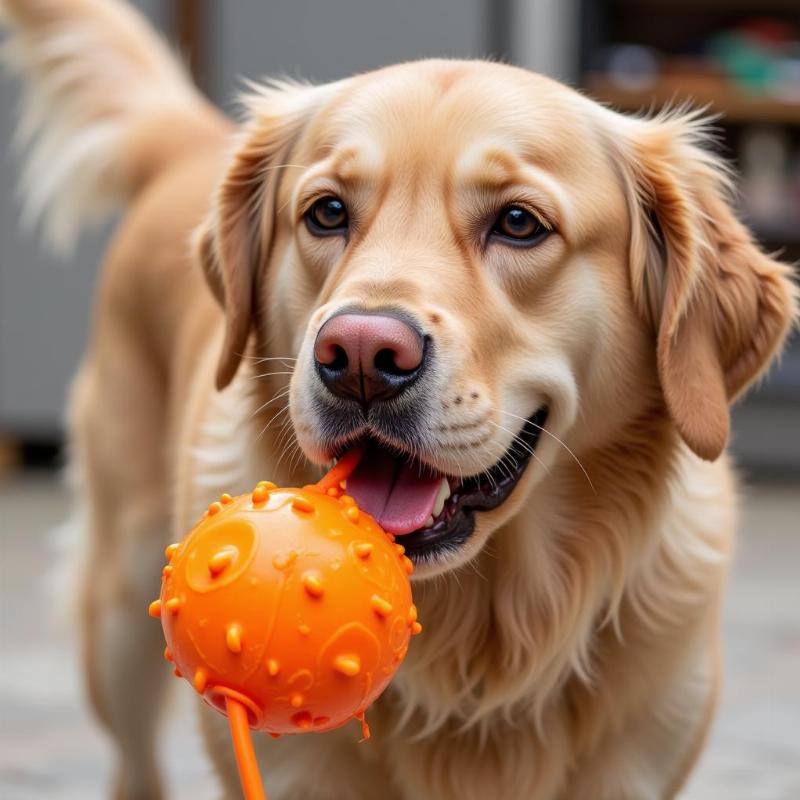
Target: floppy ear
x,y
234,241
720,308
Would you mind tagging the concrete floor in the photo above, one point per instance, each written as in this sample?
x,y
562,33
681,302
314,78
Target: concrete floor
x,y
50,748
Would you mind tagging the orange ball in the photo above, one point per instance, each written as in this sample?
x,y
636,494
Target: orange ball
x,y
291,601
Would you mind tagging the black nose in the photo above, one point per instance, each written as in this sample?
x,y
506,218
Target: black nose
x,y
368,357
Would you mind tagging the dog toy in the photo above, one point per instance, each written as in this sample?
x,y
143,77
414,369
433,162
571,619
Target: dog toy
x,y
288,610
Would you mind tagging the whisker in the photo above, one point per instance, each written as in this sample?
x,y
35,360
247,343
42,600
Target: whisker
x,y
262,359
508,469
488,472
262,432
275,416
283,432
552,436
473,563
522,444
269,402
297,458
290,443
289,363
284,442
270,374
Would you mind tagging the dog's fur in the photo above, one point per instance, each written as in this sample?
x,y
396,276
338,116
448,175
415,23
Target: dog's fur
x,y
571,646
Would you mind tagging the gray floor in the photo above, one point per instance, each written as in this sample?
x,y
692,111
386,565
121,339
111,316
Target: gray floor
x,y
49,747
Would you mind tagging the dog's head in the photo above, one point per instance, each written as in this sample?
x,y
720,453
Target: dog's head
x,y
482,274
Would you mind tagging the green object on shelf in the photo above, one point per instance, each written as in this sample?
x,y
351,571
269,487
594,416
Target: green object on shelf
x,y
745,61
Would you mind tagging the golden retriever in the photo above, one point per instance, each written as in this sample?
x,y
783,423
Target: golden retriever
x,y
533,311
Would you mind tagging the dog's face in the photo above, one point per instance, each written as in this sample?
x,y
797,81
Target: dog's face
x,y
482,275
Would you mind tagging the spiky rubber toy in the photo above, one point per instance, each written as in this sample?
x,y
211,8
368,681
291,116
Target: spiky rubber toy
x,y
288,610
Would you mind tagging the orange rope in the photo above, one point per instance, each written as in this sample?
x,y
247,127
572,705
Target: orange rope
x,y
342,470
243,748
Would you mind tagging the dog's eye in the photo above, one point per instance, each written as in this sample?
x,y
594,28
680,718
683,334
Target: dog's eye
x,y
518,226
327,215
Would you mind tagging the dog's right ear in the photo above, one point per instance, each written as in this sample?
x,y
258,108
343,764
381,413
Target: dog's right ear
x,y
234,240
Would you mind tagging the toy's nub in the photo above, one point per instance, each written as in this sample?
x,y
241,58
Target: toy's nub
x,y
342,470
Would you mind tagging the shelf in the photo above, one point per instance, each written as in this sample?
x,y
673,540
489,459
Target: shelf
x,y
779,233
700,90
766,6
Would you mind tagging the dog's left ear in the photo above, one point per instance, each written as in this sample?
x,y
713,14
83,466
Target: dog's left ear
x,y
233,243
720,308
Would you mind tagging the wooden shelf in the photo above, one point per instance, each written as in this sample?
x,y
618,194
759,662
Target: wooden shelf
x,y
700,90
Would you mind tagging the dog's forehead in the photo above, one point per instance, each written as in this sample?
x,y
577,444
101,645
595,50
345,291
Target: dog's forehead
x,y
459,115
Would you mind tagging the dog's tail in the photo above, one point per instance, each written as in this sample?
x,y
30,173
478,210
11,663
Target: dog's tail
x,y
105,107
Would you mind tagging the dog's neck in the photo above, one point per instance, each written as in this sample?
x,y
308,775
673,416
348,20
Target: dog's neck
x,y
506,632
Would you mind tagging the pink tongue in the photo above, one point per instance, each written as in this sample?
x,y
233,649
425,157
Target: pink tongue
x,y
395,494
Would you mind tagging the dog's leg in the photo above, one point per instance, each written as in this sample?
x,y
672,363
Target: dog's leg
x,y
119,443
650,758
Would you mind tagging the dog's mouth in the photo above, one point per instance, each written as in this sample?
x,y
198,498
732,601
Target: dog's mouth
x,y
431,511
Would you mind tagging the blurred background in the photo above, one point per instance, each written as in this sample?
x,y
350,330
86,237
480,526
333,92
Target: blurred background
x,y
739,58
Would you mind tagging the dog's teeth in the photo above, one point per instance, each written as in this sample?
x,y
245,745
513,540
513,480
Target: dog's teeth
x,y
428,523
335,461
442,495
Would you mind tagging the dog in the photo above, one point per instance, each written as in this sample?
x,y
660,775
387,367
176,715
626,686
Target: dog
x,y
532,312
